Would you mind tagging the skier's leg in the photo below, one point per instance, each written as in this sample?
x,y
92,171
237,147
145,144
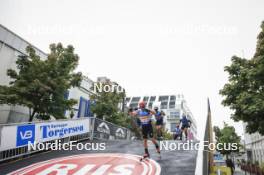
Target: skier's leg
x,y
158,131
145,141
186,132
146,148
154,141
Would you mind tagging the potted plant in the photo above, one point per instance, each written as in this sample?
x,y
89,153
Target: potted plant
x,y
256,168
262,168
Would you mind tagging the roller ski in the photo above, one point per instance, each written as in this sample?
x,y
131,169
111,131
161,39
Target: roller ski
x,y
144,157
159,154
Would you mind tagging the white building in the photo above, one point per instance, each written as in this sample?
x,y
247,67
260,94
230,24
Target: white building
x,y
11,46
254,144
174,107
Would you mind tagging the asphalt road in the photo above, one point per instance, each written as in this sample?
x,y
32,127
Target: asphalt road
x,y
172,162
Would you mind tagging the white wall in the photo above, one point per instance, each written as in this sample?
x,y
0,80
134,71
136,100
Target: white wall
x,y
11,46
255,143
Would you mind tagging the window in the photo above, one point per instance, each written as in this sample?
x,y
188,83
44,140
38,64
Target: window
x,y
175,114
163,98
152,98
172,126
135,99
164,105
172,98
133,105
164,102
172,105
150,105
145,99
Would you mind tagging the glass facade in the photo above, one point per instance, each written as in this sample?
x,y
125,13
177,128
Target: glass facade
x,y
175,115
173,126
145,99
164,102
173,106
135,99
152,99
134,102
133,105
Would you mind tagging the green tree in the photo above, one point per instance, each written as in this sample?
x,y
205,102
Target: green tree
x,y
41,84
132,125
107,104
226,135
165,133
244,92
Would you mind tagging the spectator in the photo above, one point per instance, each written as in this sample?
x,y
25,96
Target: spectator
x,y
177,132
231,165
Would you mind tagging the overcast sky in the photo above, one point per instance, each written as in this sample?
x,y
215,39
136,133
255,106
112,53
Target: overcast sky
x,y
148,46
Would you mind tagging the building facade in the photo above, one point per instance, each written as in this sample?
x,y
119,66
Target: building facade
x,y
11,46
254,146
174,107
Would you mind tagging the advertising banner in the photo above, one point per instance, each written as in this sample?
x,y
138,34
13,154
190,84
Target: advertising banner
x,y
108,130
14,136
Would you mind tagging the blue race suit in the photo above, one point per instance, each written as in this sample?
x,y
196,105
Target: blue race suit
x,y
159,118
144,116
185,122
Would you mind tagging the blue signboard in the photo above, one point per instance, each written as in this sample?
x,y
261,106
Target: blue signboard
x,y
25,135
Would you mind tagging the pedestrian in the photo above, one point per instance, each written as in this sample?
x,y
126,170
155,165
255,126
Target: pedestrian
x,y
231,165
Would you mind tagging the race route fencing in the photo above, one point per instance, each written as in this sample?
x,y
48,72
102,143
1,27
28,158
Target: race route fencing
x,y
14,138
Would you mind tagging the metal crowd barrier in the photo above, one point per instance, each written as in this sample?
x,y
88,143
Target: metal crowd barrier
x,y
23,151
99,129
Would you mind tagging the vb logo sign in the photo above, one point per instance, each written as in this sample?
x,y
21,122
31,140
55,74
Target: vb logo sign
x,y
25,134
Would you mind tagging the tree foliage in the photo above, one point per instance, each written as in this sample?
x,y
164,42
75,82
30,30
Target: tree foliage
x,y
226,135
165,133
244,92
41,84
107,105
